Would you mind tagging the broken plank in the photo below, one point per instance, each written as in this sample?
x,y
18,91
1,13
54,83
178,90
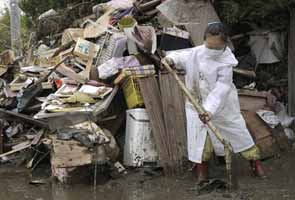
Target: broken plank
x,y
15,151
18,86
21,117
68,72
38,137
20,145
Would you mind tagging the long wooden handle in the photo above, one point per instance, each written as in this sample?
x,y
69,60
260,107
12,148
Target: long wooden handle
x,y
200,109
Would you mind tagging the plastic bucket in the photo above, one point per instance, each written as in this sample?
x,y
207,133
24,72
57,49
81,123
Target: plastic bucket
x,y
139,149
127,22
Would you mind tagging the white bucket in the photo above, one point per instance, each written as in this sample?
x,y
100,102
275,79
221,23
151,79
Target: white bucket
x,y
139,149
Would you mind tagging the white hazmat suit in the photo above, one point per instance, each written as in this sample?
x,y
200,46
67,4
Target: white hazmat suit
x,y
209,77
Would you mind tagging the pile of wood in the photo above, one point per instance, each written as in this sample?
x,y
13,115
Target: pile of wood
x,y
165,106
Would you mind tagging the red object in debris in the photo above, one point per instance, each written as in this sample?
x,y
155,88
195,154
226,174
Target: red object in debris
x,y
58,83
257,168
113,21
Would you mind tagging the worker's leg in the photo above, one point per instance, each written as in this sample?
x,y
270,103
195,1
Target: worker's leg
x,y
208,150
202,169
251,154
254,156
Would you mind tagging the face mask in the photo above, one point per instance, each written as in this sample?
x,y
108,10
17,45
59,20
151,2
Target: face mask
x,y
213,52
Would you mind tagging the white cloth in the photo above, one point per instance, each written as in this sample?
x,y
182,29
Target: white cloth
x,y
120,4
268,47
210,72
112,66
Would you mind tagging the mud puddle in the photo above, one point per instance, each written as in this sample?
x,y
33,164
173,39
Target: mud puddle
x,y
15,185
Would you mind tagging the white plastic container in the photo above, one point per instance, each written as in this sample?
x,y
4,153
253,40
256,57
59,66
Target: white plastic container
x,y
139,149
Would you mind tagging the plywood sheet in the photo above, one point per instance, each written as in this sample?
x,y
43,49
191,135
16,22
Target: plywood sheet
x,y
69,154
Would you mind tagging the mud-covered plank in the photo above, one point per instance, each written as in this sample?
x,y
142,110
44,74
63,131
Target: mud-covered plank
x,y
9,115
174,117
69,154
152,99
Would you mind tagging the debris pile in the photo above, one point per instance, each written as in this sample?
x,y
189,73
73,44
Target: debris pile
x,y
70,94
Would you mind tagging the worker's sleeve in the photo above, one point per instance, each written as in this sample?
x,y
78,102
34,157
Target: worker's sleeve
x,y
218,95
181,58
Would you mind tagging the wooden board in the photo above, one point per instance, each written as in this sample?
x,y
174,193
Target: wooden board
x,y
69,154
258,128
169,141
68,72
15,151
152,99
38,137
9,115
252,101
174,117
261,133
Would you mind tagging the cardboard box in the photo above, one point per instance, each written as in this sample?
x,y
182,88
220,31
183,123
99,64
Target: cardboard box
x,y
85,49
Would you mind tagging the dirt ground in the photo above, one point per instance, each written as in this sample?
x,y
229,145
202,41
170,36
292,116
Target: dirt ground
x,y
136,185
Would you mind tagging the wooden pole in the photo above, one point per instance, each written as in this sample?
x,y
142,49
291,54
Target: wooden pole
x,y
195,103
200,109
1,139
291,64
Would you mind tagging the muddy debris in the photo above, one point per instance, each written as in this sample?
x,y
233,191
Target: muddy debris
x,y
92,113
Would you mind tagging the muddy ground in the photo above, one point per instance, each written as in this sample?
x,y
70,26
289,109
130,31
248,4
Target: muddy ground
x,y
136,185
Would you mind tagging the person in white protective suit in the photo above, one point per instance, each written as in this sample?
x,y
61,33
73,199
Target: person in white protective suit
x,y
209,76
